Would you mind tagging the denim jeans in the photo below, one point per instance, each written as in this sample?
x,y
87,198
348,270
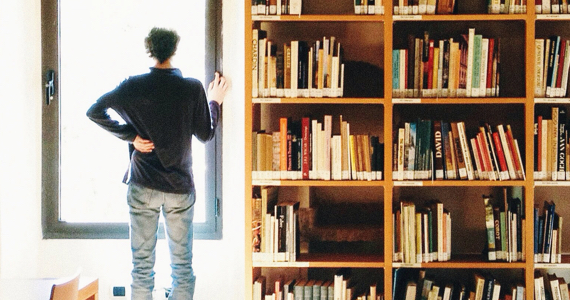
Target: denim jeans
x,y
178,210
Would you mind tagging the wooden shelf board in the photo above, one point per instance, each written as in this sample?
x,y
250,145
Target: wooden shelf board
x,y
460,183
317,183
473,100
464,262
318,18
330,100
329,261
474,17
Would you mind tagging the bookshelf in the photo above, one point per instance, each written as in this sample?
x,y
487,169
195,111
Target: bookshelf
x,y
371,39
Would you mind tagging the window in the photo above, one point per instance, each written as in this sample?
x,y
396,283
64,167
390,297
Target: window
x,y
91,46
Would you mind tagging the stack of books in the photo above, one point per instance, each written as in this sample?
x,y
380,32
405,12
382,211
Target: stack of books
x,y
309,150
464,67
368,7
505,223
274,227
296,69
552,61
550,286
428,150
422,235
547,234
276,7
551,7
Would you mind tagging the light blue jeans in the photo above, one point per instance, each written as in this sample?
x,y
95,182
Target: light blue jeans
x,y
178,210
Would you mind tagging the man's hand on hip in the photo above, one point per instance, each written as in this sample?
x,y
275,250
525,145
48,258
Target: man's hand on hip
x,y
142,145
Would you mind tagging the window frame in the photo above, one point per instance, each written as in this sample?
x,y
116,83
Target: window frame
x,y
52,226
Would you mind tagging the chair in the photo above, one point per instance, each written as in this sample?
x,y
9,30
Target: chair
x,y
66,290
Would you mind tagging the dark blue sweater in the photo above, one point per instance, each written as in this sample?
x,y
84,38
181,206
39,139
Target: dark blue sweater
x,y
167,109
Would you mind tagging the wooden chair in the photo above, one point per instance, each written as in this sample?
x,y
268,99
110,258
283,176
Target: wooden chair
x,y
66,290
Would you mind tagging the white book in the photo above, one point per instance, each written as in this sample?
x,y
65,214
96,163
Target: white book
x,y
294,68
465,149
262,60
544,149
555,288
336,161
315,127
539,65
327,146
295,7
422,9
470,50
484,65
545,67
255,61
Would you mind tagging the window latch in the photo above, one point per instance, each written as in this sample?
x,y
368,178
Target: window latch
x,y
50,87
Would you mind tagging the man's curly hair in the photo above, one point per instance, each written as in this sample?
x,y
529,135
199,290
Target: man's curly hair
x,y
161,43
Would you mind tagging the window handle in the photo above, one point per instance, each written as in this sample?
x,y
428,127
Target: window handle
x,y
50,87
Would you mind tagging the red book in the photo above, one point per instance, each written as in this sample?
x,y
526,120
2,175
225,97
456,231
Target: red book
x,y
306,156
485,157
513,149
560,64
500,153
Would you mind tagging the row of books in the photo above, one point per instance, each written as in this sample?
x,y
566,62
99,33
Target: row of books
x,y
468,66
427,150
338,288
551,144
274,227
552,61
423,234
411,284
308,149
368,7
423,7
550,287
551,7
296,69
504,223
506,6
547,234
276,7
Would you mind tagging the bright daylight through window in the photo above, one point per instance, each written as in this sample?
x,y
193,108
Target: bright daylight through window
x,y
101,43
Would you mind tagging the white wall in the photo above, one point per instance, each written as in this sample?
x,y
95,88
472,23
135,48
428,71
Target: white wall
x,y
218,264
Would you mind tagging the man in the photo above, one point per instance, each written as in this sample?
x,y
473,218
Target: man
x,y
162,111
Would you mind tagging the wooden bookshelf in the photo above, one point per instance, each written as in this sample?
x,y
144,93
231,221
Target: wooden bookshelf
x,y
380,34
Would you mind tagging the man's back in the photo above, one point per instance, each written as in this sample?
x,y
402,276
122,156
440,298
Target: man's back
x,y
167,109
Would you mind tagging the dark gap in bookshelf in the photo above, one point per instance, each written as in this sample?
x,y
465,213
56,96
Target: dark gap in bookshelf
x,y
362,46
467,210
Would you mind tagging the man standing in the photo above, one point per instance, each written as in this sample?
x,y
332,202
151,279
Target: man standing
x,y
162,111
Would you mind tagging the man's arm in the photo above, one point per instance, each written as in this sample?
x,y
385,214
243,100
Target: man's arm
x,y
98,114
206,118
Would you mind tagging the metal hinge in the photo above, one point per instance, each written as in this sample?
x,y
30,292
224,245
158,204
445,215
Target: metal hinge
x,y
217,207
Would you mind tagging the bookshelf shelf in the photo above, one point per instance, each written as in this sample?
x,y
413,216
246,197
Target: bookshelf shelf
x,y
319,100
346,183
465,183
462,17
372,39
458,100
320,18
464,262
329,261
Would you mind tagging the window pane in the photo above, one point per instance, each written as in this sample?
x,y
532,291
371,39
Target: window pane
x,y
102,43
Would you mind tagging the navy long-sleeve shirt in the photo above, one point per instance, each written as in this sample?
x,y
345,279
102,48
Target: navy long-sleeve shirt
x,y
167,109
